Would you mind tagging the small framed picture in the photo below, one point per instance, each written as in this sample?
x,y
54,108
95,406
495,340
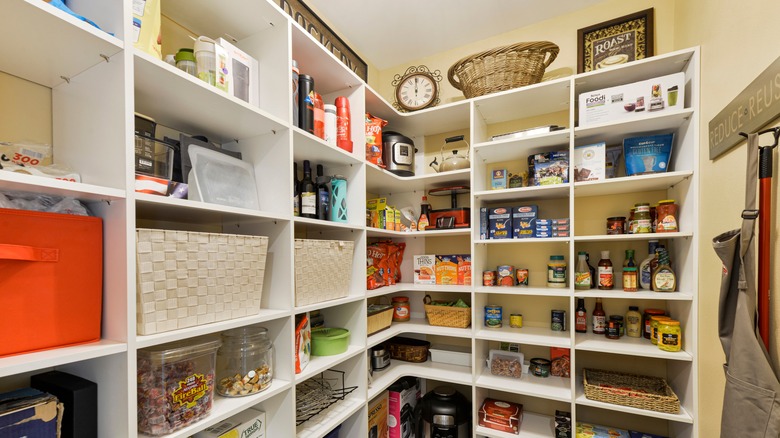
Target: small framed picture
x,y
615,42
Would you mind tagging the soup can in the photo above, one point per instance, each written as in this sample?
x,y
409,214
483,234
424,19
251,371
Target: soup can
x,y
516,320
488,278
493,316
558,320
506,275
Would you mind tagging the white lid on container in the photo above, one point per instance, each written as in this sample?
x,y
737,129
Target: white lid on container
x,y
180,350
204,44
330,108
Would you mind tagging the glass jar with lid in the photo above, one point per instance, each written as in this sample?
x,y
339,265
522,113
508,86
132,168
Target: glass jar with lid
x,y
642,219
245,361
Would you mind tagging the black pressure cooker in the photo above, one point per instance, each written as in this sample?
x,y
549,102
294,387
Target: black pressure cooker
x,y
443,413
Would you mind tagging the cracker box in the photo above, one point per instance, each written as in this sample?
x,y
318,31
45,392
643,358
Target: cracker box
x,y
629,101
402,398
377,417
390,218
500,222
551,168
446,269
524,221
499,179
590,162
464,269
425,269
483,223
249,423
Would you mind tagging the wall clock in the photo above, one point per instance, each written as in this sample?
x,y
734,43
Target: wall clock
x,y
416,89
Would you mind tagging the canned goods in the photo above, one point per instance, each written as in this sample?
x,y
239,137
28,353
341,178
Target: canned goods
x,y
522,277
493,316
558,320
488,278
506,275
516,320
540,367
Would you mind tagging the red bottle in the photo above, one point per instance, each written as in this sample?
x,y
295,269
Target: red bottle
x,y
319,116
343,127
581,317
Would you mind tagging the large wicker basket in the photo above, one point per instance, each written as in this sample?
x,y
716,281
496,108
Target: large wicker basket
x,y
643,392
502,68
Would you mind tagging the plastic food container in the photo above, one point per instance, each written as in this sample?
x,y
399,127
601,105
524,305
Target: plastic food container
x,y
452,354
329,341
175,385
221,179
245,361
506,363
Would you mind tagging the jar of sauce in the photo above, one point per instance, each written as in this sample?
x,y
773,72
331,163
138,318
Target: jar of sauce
x,y
616,225
642,220
556,271
613,329
666,213
646,315
669,335
401,309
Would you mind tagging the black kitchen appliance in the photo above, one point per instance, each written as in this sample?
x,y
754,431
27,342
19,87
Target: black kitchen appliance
x,y
443,413
398,153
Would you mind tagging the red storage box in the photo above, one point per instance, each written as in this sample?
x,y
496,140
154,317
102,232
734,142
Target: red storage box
x,y
51,280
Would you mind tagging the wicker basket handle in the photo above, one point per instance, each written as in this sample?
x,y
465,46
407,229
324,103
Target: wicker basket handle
x,y
546,46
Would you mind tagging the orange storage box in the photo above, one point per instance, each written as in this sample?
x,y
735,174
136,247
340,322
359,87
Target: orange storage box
x,y
51,280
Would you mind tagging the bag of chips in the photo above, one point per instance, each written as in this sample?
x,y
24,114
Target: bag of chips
x,y
374,127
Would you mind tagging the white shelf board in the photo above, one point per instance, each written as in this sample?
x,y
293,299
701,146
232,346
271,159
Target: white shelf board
x,y
416,325
409,287
427,370
382,182
615,132
511,149
226,407
638,295
165,208
523,102
533,426
630,184
329,303
630,237
237,18
143,341
682,417
378,232
330,75
318,364
320,225
527,335
307,146
22,363
524,290
185,103
13,181
553,388
522,241
626,346
443,118
43,43
554,191
321,424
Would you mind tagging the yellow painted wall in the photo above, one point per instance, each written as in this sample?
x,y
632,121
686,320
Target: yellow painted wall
x,y
25,110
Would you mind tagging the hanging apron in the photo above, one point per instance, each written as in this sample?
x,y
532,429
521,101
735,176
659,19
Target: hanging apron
x,y
751,404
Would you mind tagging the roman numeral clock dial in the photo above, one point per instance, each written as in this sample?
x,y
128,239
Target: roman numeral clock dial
x,y
418,88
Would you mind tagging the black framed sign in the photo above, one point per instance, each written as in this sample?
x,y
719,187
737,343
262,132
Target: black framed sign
x,y
308,20
615,42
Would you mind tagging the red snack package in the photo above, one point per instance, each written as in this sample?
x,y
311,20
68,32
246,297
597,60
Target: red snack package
x,y
374,127
376,266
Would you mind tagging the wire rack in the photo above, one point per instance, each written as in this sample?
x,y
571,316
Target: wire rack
x,y
316,394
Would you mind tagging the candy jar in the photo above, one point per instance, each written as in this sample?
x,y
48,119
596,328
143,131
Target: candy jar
x,y
245,361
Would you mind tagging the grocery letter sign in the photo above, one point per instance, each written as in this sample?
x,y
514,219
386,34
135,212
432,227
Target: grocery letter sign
x,y
756,106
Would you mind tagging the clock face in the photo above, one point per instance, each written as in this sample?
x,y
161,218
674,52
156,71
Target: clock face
x,y
415,92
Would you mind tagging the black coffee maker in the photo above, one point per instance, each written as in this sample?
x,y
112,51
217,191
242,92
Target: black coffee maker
x,y
443,413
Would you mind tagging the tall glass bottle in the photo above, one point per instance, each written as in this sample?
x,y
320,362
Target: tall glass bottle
x,y
606,278
296,191
581,317
599,319
422,223
664,278
323,195
308,193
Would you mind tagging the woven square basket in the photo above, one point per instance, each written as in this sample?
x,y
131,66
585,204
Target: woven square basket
x,y
643,392
323,270
380,317
189,278
448,316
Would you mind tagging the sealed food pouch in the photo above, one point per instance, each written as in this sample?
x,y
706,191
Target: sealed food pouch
x,y
374,127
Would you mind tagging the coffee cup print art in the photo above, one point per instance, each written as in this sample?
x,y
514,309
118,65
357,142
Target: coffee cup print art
x,y
621,58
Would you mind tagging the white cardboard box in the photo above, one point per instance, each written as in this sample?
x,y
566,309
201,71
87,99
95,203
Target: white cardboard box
x,y
246,424
244,74
625,102
590,162
424,269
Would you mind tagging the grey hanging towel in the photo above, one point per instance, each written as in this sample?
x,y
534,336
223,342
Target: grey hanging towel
x,y
751,404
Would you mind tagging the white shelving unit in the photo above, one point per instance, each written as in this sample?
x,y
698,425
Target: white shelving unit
x,y
98,80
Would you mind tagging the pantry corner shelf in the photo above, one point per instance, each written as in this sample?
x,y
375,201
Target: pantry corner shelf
x,y
307,146
619,294
682,417
378,232
318,364
443,118
626,346
552,388
443,372
528,335
512,149
326,304
380,181
626,237
416,325
553,191
323,225
524,290
321,424
522,241
410,287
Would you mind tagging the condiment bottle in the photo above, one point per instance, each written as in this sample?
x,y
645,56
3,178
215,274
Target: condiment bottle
x,y
632,221
664,278
593,278
422,223
666,215
654,321
629,279
634,322
581,317
343,126
642,219
629,260
323,195
647,319
401,309
599,319
645,268
582,273
606,277
556,271
613,329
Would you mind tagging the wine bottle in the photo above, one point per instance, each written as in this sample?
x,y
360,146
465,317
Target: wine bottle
x,y
308,193
323,195
296,191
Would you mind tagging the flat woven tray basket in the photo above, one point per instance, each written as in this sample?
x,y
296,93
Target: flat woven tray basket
x,y
408,349
643,392
502,68
447,316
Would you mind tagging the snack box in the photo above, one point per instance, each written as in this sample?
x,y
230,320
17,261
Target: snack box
x,y
376,208
446,269
590,162
561,233
524,221
464,269
390,218
625,102
647,154
377,416
501,415
500,222
586,430
551,168
499,179
483,223
249,423
425,269
516,180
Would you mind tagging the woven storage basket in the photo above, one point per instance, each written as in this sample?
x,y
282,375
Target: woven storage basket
x,y
380,316
187,278
408,349
447,316
323,270
502,68
643,392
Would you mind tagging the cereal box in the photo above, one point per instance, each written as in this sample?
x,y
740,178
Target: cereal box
x,y
524,221
424,269
499,179
377,416
446,269
500,222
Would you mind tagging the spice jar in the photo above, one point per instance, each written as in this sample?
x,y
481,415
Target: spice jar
x,y
646,320
245,361
401,309
666,214
669,335
643,223
616,225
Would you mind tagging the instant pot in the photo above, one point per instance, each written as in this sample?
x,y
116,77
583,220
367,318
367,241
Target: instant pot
x,y
398,153
443,413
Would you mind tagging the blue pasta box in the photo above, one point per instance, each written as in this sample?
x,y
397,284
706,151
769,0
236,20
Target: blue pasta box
x,y
499,179
500,220
29,413
524,221
483,223
647,154
543,222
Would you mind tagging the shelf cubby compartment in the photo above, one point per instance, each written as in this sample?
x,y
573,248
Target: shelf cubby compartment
x,y
378,232
527,335
12,182
683,416
167,209
495,242
613,133
455,374
537,416
534,426
626,346
632,237
631,184
518,149
524,291
382,182
554,191
552,388
617,292
410,287
416,325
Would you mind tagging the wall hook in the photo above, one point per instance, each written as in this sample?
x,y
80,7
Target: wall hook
x,y
106,57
